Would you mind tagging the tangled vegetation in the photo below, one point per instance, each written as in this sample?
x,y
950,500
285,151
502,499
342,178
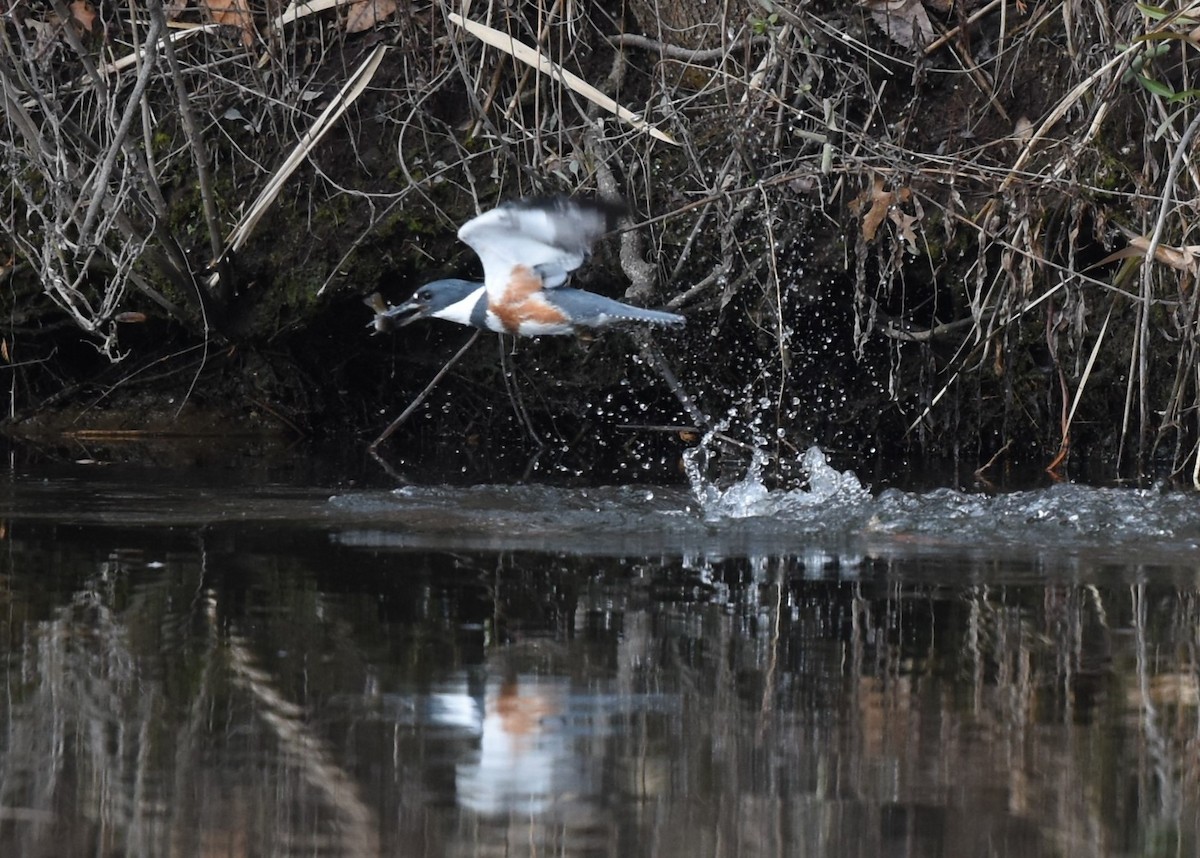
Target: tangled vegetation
x,y
902,226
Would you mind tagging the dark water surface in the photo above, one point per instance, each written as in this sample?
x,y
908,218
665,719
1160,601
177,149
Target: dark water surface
x,y
193,668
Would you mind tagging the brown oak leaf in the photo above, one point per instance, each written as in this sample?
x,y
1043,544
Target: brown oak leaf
x,y
83,13
233,13
874,205
365,14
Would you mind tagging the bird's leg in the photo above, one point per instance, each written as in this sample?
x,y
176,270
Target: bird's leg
x,y
584,337
656,360
514,392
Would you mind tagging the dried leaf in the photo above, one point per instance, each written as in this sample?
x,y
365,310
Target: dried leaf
x,y
904,225
869,201
1180,258
365,14
1186,258
130,318
84,14
233,13
905,22
876,202
874,217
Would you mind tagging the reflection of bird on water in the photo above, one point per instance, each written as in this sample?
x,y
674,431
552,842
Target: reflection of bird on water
x,y
528,249
525,760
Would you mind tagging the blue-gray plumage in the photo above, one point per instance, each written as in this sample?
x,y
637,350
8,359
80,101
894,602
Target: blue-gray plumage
x,y
528,249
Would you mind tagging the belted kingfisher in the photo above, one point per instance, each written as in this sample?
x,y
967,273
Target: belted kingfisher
x,y
528,248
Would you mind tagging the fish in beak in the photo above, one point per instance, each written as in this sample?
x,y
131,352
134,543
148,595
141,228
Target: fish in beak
x,y
388,317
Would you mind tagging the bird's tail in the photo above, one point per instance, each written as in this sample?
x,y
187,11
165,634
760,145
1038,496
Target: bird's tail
x,y
589,310
653,317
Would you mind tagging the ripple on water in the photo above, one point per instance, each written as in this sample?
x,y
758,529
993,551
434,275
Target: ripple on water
x,y
834,511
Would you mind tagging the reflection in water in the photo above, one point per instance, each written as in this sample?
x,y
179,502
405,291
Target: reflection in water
x,y
316,686
523,760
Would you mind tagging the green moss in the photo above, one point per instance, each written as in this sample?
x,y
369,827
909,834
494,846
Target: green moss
x,y
185,209
160,141
409,222
1109,174
333,212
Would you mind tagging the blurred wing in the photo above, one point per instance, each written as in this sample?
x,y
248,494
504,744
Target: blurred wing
x,y
552,237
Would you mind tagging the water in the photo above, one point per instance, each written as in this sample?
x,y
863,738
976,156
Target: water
x,y
197,667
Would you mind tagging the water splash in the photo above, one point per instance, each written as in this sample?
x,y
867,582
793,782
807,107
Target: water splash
x,y
749,497
1065,515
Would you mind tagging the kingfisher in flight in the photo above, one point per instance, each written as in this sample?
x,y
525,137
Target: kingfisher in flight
x,y
528,248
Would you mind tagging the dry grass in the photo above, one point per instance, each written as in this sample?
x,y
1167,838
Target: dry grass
x,y
987,227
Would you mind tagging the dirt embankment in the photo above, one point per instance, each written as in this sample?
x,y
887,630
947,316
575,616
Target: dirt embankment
x,y
896,229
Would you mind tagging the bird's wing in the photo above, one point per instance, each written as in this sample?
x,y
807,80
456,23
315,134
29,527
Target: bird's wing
x,y
550,236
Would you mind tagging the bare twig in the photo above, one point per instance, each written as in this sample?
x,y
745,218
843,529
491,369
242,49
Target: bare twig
x,y
530,56
200,156
420,397
99,184
678,52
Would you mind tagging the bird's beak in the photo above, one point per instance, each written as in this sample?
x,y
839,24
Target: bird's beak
x,y
405,314
388,317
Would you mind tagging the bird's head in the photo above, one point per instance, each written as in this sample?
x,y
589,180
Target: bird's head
x,y
430,300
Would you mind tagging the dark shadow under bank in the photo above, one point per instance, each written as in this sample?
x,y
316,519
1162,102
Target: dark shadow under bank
x,y
604,413
242,461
